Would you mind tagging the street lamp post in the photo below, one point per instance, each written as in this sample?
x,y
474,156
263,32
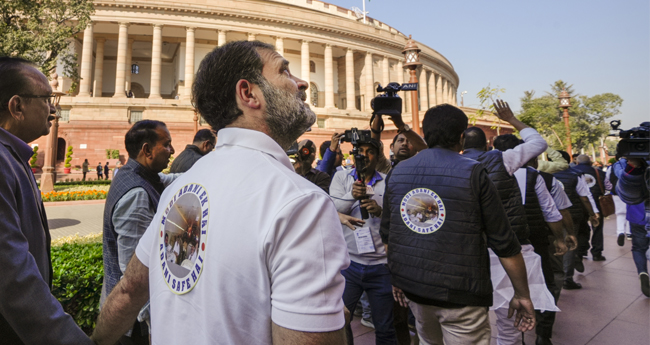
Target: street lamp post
x,y
412,56
565,103
462,99
48,178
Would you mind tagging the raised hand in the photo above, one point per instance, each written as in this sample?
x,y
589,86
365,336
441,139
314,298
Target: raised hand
x,y
503,110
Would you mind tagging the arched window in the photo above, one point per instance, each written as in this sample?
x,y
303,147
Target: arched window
x,y
312,67
314,94
60,149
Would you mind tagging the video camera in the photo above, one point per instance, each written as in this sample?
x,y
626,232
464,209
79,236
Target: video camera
x,y
389,103
635,142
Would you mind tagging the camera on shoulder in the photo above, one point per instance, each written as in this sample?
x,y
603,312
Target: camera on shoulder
x,y
635,142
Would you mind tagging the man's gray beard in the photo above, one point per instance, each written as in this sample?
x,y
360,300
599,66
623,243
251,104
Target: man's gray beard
x,y
287,116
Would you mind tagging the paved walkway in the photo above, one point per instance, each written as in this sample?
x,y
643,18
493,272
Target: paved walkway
x,y
69,218
609,309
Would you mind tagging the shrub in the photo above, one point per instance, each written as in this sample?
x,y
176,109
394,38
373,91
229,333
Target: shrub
x,y
71,196
112,154
78,274
68,157
32,161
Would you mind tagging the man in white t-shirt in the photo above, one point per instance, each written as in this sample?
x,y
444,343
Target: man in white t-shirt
x,y
268,264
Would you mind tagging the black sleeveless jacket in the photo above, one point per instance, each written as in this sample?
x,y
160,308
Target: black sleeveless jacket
x,y
507,187
132,175
569,180
591,179
539,231
447,259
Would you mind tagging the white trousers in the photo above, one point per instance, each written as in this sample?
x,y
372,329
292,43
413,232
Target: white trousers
x,y
622,225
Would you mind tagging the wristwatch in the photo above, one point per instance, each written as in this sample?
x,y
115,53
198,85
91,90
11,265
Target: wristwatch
x,y
406,128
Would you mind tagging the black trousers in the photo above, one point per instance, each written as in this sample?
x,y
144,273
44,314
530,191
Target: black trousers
x,y
546,319
596,233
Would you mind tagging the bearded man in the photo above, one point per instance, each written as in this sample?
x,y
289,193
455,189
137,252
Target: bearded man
x,y
268,264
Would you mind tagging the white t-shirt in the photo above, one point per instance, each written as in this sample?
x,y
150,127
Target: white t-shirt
x,y
269,249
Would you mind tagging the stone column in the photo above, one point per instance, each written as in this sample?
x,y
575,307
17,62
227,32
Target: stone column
x,y
349,80
86,62
99,68
304,67
400,80
129,60
120,71
422,90
279,45
439,98
370,82
251,37
222,37
329,77
156,62
189,62
454,96
432,90
385,74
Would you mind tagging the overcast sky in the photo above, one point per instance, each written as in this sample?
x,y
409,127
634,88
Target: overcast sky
x,y
598,46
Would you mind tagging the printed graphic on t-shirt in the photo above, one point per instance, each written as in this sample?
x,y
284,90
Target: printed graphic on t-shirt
x,y
183,234
422,211
590,180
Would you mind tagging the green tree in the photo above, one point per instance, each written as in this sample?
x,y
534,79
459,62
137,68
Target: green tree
x,y
487,96
40,31
587,116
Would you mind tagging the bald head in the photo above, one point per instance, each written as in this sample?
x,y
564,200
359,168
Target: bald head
x,y
583,159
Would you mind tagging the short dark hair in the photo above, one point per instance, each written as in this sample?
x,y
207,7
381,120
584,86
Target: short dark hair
x,y
14,80
475,139
140,133
443,125
213,92
323,146
204,135
506,141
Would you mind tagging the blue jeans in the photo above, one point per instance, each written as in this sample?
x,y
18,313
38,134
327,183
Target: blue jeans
x,y
375,281
640,243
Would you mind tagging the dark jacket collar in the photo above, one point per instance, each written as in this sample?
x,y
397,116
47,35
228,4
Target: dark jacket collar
x,y
23,150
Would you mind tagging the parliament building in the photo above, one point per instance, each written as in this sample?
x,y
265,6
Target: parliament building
x,y
137,60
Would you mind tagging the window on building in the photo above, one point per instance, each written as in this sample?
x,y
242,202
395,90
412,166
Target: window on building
x,y
312,67
320,123
64,115
314,94
135,69
136,115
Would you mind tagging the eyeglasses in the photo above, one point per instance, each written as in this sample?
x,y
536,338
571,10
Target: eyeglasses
x,y
49,98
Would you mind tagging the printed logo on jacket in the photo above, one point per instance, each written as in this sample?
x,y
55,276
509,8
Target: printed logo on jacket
x,y
422,211
183,233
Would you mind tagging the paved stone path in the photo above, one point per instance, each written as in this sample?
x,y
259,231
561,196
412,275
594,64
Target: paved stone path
x,y
68,218
609,309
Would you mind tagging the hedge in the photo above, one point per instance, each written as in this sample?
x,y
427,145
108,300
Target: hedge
x,y
83,183
78,275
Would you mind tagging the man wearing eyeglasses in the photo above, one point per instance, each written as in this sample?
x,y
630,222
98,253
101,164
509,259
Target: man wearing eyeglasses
x,y
203,143
29,314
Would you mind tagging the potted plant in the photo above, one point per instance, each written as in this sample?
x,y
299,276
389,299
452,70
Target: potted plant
x,y
32,161
68,159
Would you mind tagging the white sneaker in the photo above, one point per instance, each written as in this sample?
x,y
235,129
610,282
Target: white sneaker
x,y
368,323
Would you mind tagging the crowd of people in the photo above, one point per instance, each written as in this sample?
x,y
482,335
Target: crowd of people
x,y
246,242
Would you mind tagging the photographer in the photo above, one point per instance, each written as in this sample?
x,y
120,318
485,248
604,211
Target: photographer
x,y
302,163
405,144
363,187
633,188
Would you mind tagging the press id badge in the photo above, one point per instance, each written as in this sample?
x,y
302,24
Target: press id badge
x,y
365,243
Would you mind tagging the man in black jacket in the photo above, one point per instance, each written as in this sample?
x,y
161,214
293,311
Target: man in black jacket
x,y
203,143
437,229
